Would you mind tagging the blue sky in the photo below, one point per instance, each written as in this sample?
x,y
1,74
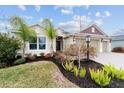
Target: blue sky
x,y
109,18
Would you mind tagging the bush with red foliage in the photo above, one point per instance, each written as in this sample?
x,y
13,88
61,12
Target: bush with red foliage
x,y
59,56
31,57
118,49
48,55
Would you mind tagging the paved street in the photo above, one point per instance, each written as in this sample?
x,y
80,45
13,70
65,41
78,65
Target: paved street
x,y
117,59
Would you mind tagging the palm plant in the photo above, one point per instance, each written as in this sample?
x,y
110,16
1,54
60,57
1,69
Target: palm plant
x,y
24,32
50,31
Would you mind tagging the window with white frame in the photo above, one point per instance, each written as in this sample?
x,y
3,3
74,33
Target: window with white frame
x,y
33,44
42,43
37,43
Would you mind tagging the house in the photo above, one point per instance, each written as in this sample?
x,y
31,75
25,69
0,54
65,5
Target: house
x,y
117,41
41,44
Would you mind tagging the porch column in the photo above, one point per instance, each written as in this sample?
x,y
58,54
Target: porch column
x,y
100,46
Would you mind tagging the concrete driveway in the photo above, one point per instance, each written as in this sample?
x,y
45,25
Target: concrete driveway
x,y
117,59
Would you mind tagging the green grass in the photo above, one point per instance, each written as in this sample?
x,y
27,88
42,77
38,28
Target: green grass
x,y
36,75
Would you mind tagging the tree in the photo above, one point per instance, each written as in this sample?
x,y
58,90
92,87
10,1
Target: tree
x,y
50,31
24,32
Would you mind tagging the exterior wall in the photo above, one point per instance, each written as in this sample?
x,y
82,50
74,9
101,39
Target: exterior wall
x,y
40,33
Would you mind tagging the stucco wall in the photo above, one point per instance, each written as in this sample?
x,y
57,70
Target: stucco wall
x,y
41,33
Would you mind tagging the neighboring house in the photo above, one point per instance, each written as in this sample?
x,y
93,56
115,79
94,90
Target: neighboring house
x,y
41,44
117,41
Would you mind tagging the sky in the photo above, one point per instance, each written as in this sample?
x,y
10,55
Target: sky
x,y
110,18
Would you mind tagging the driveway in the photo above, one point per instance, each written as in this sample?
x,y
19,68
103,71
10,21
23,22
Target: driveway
x,y
117,59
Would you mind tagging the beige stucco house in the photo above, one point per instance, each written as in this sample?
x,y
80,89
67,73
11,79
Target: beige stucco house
x,y
41,44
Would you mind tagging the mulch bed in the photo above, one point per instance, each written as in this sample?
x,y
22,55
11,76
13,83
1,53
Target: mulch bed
x,y
86,82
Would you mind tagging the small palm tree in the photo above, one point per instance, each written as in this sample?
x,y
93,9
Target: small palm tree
x,y
24,32
50,31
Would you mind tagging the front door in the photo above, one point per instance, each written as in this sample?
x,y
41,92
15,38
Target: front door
x,y
58,46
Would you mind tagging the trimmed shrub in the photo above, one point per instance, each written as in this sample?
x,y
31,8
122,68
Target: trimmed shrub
x,y
8,49
42,54
19,61
118,49
31,57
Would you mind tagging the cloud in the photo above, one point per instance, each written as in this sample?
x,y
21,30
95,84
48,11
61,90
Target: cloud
x,y
99,21
66,11
74,24
27,17
98,14
107,13
37,8
22,7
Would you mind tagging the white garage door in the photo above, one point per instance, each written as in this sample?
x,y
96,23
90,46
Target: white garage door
x,y
105,48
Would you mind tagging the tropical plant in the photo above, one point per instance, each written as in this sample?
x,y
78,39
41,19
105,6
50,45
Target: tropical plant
x,y
110,69
50,31
8,49
82,72
119,74
114,72
68,65
75,71
23,32
100,77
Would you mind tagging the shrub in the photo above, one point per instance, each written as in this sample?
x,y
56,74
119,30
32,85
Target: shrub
x,y
42,54
100,77
8,49
75,71
48,55
82,72
118,49
68,65
59,56
31,57
19,61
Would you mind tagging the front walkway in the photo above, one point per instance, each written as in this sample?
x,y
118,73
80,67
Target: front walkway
x,y
117,59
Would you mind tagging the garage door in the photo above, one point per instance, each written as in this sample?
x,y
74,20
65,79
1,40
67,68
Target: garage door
x,y
105,48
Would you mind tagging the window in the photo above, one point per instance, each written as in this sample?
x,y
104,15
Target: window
x,y
37,43
33,44
42,43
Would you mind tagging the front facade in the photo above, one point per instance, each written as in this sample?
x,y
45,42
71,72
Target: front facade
x,y
41,44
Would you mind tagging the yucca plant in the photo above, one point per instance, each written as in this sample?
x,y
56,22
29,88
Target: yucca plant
x,y
68,65
82,72
100,77
75,71
119,74
110,69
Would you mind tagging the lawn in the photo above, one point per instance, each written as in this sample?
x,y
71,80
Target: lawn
x,y
35,74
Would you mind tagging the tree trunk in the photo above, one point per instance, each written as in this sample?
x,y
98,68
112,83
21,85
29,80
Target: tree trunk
x,y
79,58
23,52
51,47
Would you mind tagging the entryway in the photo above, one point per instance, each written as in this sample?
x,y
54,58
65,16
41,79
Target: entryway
x,y
59,43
